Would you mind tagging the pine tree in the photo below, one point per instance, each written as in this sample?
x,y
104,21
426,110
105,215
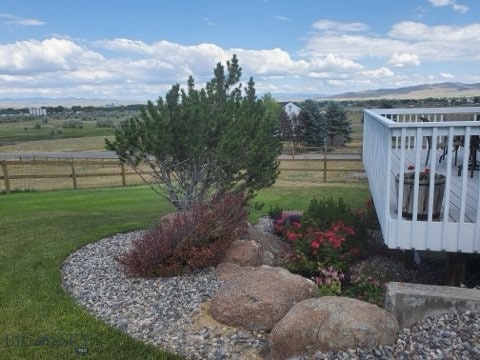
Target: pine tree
x,y
201,143
313,122
337,124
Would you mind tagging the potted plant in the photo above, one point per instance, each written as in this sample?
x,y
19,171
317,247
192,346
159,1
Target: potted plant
x,y
423,193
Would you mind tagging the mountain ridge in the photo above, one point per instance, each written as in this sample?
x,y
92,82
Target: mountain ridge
x,y
445,89
438,90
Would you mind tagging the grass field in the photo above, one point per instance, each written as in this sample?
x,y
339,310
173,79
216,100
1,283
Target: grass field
x,y
17,136
39,230
86,143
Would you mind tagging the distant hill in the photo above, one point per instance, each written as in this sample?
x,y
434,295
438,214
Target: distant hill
x,y
446,89
441,90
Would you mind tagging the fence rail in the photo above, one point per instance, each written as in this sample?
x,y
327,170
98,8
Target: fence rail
x,y
61,173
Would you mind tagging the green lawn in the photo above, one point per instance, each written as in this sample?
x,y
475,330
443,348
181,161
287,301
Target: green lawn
x,y
40,229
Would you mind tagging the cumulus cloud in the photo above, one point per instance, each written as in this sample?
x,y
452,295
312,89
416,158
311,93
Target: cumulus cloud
x,y
430,43
281,18
333,63
404,60
33,56
336,57
455,6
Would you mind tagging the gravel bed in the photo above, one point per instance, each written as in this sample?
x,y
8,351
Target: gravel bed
x,y
159,311
169,312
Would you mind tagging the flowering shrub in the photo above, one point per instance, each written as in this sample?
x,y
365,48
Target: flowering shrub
x,y
329,281
424,174
325,240
368,216
188,240
287,225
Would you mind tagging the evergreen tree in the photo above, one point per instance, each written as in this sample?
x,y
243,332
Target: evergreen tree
x,y
200,143
312,120
337,124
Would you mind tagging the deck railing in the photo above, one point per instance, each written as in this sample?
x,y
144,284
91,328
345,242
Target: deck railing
x,y
395,139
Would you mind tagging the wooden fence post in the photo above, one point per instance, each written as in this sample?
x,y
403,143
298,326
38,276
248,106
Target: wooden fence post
x,y
6,179
124,179
74,175
325,162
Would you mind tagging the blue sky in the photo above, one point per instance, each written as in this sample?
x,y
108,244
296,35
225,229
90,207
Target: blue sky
x,y
135,50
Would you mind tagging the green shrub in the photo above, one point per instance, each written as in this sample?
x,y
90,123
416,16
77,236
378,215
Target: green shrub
x,y
56,131
104,123
72,124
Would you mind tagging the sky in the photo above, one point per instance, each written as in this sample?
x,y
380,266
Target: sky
x,y
136,50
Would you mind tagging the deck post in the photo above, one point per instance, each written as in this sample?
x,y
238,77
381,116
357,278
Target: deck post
x,y
454,268
409,257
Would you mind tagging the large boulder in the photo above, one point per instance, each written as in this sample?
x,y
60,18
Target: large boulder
x,y
227,271
331,323
245,253
257,298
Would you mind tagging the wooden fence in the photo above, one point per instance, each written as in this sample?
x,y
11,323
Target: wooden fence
x,y
58,173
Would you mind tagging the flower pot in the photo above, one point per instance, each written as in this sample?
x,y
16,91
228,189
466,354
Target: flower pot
x,y
423,198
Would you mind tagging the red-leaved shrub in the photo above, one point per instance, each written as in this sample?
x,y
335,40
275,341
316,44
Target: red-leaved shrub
x,y
188,240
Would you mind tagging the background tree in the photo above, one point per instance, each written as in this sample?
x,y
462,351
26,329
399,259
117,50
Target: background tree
x,y
313,122
291,129
201,143
338,126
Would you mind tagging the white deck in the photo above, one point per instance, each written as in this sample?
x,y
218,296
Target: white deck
x,y
397,138
455,186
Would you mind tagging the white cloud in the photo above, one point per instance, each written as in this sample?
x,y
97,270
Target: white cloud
x,y
329,25
333,63
404,60
272,62
429,43
455,6
440,2
383,72
32,56
353,46
447,76
209,22
337,57
15,20
281,18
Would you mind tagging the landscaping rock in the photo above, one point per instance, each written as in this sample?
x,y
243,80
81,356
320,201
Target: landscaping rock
x,y
245,253
270,243
228,271
258,298
331,323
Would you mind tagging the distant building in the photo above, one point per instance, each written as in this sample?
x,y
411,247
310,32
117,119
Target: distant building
x,y
291,109
37,111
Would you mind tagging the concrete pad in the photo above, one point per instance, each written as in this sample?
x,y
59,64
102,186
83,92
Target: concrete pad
x,y
410,303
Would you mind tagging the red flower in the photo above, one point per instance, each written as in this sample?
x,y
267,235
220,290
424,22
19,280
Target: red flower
x,y
291,236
